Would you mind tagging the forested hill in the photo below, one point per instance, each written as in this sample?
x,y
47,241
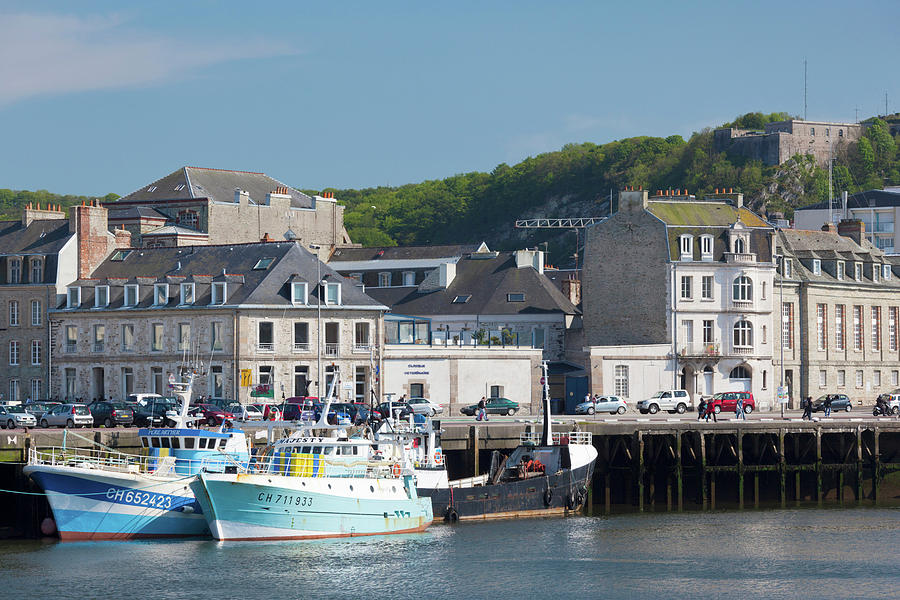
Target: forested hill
x,y
577,181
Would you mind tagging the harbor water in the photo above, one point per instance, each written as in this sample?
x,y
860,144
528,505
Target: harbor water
x,y
801,553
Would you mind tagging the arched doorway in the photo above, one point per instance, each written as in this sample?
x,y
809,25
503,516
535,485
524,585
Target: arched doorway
x,y
708,380
740,379
689,380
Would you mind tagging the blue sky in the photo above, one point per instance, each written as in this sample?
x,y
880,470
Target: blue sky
x,y
99,97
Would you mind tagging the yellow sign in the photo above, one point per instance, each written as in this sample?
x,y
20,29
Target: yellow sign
x,y
246,377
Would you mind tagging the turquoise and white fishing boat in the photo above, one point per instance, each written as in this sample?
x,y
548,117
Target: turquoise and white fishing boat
x,y
99,493
315,483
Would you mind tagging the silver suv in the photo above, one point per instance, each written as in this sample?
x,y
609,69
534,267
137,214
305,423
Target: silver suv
x,y
674,401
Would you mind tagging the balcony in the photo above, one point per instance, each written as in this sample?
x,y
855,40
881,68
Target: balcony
x,y
743,350
265,347
98,346
332,349
710,350
71,347
740,257
301,347
362,347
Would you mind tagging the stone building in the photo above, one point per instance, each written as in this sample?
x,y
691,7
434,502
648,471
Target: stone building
x,y
879,211
783,139
840,298
40,254
268,311
693,275
194,206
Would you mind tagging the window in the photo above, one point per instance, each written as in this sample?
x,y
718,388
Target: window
x,y
156,380
71,338
217,381
743,334
152,188
160,294
687,247
184,336
859,378
706,247
840,133
817,266
686,287
708,332
621,380
841,378
812,131
101,296
265,375
266,336
14,353
765,335
788,268
216,335
687,332
70,382
739,372
131,295
37,270
857,328
219,291
36,316
461,299
823,378
332,293
839,318
876,328
827,132
301,336
15,270
73,298
876,379
538,336
763,294
892,328
361,336
384,280
99,337
332,339
886,272
839,269
876,269
821,326
263,264
120,255
857,271
517,297
738,245
706,287
299,292
127,338
35,352
787,325
156,338
409,278
14,389
742,289
36,389
895,378
187,293
13,313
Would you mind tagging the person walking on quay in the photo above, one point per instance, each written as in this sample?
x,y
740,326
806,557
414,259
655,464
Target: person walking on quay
x,y
827,406
711,411
482,410
701,408
739,408
807,408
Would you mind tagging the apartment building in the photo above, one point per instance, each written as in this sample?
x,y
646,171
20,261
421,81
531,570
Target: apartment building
x,y
879,211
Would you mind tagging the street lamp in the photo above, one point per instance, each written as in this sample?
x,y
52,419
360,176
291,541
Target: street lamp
x,y
316,247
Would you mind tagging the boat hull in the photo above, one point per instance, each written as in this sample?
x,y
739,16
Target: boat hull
x,y
90,504
273,507
514,499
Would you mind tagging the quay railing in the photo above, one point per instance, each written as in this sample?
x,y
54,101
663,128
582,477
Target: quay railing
x,y
559,438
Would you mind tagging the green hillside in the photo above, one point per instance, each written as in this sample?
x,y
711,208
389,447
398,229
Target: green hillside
x,y
12,201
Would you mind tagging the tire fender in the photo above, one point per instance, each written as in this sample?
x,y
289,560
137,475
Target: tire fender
x,y
548,497
452,516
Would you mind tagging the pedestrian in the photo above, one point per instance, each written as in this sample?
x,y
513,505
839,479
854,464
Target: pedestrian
x,y
482,410
701,408
827,406
711,411
807,408
739,408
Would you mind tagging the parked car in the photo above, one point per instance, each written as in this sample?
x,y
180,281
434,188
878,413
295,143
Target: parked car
x,y
356,412
110,414
893,401
68,415
610,404
838,402
424,406
245,412
494,406
153,412
727,401
12,417
39,408
393,408
674,401
212,414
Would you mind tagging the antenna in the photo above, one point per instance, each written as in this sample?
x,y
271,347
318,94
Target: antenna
x,y
857,114
804,89
885,105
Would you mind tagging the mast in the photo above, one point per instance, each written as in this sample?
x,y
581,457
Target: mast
x,y
547,434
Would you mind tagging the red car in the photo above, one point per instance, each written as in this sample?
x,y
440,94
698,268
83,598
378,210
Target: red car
x,y
727,401
212,414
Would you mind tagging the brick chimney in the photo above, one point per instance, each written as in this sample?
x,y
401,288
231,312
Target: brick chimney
x,y
571,289
829,227
853,229
95,242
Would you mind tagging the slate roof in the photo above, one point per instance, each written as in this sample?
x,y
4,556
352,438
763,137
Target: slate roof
x,y
134,212
866,199
488,281
204,265
40,237
216,184
805,246
403,252
173,230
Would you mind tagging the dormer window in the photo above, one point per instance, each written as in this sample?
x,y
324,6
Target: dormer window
x,y
219,291
840,270
131,295
886,272
817,266
384,280
37,270
73,297
687,247
119,255
299,292
706,247
101,296
263,264
739,245
515,297
187,293
788,269
160,294
332,293
409,278
875,269
857,271
15,270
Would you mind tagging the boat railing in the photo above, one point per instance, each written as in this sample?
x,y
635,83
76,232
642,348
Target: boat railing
x,y
470,481
559,438
106,460
317,465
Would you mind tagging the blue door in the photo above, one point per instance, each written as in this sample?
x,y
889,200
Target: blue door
x,y
576,389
